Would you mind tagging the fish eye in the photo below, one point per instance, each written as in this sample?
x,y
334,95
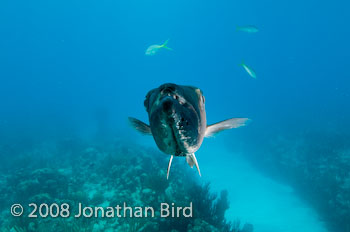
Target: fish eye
x,y
203,99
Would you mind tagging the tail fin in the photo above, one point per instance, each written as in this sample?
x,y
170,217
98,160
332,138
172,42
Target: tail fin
x,y
166,42
164,45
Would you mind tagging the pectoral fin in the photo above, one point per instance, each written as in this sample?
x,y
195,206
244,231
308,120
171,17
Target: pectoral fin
x,y
191,160
140,126
227,124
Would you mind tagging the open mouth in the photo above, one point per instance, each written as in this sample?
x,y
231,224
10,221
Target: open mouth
x,y
172,123
175,124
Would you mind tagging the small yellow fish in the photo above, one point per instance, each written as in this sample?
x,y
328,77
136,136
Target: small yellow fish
x,y
153,49
248,29
249,70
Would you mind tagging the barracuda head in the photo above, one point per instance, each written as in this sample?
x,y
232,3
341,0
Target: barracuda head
x,y
177,118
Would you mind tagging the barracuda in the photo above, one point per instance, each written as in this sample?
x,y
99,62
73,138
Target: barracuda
x,y
178,121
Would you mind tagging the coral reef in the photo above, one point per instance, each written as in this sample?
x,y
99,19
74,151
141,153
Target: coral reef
x,y
99,176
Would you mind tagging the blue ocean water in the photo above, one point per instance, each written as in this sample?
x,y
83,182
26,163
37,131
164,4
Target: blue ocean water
x,y
79,69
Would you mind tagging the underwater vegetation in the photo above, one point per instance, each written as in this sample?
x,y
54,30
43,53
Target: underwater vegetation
x,y
75,172
317,166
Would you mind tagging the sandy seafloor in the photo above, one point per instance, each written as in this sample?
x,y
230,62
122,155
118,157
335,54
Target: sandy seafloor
x,y
271,206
